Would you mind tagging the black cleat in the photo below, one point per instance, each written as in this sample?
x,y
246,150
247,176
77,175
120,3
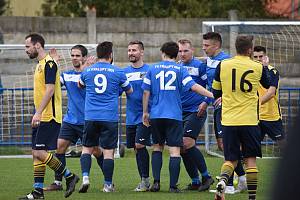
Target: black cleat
x,y
155,187
70,184
175,190
206,183
84,188
35,194
192,186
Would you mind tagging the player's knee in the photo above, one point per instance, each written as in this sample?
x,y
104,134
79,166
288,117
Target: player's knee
x,y
139,146
174,151
87,150
39,155
250,162
188,142
108,153
62,146
158,147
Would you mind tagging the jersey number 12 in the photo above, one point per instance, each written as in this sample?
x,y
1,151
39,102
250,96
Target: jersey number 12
x,y
161,76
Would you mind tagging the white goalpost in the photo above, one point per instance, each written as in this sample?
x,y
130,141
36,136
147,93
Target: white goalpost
x,y
282,41
17,99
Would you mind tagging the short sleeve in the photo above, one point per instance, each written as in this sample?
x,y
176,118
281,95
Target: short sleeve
x,y
50,72
147,81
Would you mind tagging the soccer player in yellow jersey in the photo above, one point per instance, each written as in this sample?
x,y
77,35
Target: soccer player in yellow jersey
x,y
237,81
47,118
269,112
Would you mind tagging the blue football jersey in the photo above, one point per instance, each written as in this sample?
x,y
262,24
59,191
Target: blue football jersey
x,y
134,104
191,100
166,81
212,63
76,97
102,82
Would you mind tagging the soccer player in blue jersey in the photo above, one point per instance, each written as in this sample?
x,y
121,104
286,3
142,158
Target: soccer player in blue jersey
x,y
102,82
137,134
72,126
194,115
163,84
212,44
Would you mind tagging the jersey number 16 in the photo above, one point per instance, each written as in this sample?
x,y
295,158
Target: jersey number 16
x,y
243,81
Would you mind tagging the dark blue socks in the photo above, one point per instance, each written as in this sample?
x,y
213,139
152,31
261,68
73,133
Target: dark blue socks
x,y
174,170
156,164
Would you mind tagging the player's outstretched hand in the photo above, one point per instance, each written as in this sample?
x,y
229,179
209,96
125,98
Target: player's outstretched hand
x,y
146,120
89,61
53,54
265,61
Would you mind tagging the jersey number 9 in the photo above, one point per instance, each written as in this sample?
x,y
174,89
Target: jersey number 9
x,y
101,83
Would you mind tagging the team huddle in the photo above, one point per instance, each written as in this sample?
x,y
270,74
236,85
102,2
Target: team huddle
x,y
166,105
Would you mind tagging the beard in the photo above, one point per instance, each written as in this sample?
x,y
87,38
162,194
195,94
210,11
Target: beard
x,y
133,59
33,55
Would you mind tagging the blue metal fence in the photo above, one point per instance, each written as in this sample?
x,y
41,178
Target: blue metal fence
x,y
17,107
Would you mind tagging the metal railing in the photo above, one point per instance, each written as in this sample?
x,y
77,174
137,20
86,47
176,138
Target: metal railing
x,y
17,108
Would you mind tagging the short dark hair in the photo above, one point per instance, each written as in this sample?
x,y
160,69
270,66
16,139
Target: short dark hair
x,y
170,49
138,42
213,36
36,38
243,43
81,48
104,50
260,48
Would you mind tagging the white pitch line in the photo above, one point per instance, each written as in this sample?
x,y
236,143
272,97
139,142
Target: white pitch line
x,y
16,156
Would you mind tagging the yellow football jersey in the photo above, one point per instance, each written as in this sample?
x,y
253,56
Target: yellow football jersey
x,y
239,78
53,109
270,111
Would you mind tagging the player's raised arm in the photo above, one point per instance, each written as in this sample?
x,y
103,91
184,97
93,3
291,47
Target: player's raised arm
x,y
88,62
273,76
53,54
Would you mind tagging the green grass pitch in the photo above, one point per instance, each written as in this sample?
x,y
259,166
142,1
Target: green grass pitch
x,y
16,179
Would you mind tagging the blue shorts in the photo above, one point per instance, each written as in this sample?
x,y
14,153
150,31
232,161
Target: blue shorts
x,y
44,137
107,132
217,122
71,132
247,137
273,129
167,130
192,124
137,134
